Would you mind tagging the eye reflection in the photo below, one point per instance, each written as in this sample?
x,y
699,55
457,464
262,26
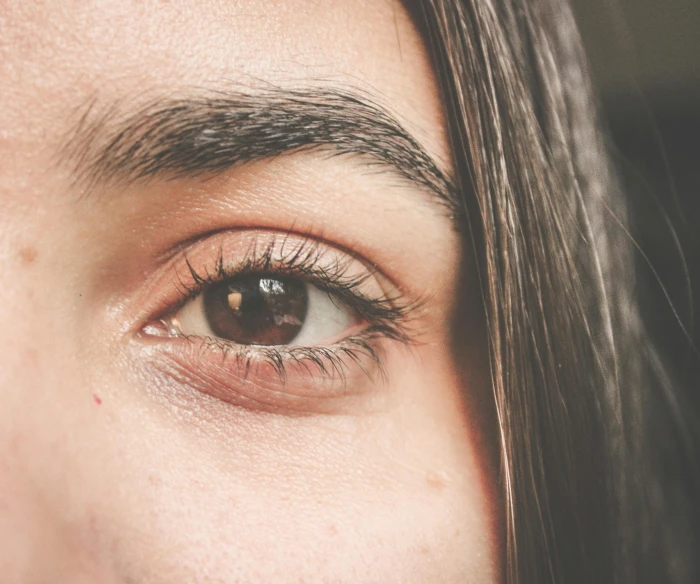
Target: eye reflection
x,y
256,310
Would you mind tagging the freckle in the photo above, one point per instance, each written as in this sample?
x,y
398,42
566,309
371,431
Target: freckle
x,y
436,479
424,550
332,530
97,398
28,255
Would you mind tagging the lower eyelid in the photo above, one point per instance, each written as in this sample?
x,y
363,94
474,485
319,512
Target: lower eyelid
x,y
250,381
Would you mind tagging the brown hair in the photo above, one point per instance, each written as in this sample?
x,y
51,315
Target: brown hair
x,y
586,414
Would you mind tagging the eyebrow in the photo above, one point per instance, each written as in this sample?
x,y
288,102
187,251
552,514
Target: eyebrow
x,y
202,135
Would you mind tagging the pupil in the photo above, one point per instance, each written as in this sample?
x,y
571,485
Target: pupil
x,y
256,310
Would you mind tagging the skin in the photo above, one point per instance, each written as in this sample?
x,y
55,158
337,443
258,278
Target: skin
x,y
112,471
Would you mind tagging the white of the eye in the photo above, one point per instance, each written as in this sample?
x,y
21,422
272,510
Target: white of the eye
x,y
325,320
191,320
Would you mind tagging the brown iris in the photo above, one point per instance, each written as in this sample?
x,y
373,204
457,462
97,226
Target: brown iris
x,y
257,309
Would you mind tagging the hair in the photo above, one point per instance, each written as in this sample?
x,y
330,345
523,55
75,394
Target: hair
x,y
588,419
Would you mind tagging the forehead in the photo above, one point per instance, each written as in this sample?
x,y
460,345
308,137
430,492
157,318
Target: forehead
x,y
56,56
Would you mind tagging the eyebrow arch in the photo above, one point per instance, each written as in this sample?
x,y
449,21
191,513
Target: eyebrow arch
x,y
206,134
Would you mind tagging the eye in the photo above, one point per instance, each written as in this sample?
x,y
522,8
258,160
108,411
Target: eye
x,y
262,320
265,310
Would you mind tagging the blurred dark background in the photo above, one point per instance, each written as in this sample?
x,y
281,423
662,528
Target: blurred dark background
x,y
645,58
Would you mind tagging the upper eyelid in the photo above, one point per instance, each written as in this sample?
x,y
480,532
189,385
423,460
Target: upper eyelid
x,y
318,237
324,280
305,258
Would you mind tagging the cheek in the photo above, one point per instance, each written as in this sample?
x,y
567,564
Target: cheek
x,y
394,535
344,500
175,492
399,495
43,521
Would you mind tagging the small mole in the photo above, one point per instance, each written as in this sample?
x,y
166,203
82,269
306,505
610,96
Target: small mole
x,y
97,398
28,255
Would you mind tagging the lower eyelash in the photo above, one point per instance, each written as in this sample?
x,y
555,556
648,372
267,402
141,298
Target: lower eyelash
x,y
331,362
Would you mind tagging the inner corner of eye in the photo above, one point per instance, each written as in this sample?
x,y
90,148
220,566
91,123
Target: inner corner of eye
x,y
161,328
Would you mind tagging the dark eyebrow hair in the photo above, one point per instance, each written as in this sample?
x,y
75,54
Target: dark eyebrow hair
x,y
200,135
